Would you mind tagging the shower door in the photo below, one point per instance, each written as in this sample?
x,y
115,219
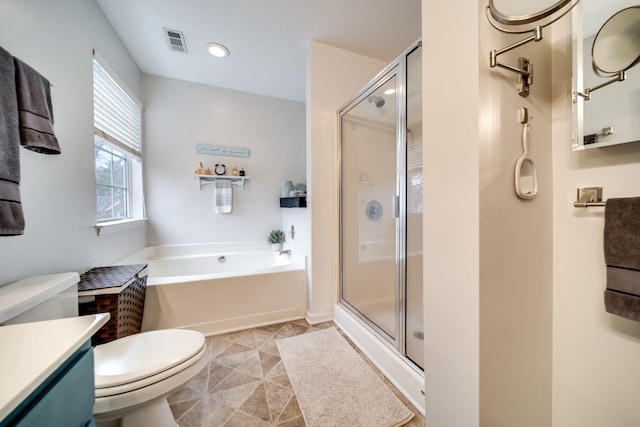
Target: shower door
x,y
414,345
381,206
370,205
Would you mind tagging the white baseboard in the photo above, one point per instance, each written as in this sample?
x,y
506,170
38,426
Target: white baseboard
x,y
314,319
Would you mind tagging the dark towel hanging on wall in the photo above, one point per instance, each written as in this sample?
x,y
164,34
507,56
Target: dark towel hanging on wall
x,y
35,110
26,117
11,218
622,256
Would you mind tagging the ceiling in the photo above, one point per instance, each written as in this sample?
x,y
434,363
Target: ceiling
x,y
268,39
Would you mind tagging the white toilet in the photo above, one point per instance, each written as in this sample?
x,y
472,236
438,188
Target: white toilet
x,y
134,374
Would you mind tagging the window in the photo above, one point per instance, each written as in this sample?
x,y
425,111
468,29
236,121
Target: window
x,y
414,174
118,157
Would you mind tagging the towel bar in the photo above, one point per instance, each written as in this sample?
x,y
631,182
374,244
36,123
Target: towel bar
x,y
589,197
588,204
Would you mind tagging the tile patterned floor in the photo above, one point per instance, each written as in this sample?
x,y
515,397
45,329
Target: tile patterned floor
x,y
245,383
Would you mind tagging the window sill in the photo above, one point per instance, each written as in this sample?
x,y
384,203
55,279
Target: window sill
x,y
123,224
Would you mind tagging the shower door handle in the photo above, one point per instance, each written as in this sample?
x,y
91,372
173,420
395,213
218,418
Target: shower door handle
x,y
395,206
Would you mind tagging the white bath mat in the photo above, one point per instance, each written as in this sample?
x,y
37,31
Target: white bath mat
x,y
334,386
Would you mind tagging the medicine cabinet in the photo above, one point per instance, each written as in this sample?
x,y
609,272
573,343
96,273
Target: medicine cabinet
x,y
606,76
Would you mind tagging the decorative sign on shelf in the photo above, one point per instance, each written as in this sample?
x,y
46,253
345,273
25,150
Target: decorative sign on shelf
x,y
221,150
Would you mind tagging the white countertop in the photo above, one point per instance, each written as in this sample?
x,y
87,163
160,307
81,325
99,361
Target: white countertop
x,y
33,351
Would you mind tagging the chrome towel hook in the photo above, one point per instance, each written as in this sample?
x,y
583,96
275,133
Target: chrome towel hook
x,y
526,179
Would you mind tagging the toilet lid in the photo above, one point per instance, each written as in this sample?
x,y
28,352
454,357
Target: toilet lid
x,y
143,355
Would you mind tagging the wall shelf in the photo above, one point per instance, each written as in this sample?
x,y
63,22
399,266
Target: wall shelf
x,y
293,202
580,147
203,180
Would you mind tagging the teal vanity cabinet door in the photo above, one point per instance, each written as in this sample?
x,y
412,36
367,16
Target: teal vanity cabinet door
x,y
65,399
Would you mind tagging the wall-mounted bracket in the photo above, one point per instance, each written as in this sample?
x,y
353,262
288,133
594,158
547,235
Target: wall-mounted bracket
x,y
620,77
589,196
525,79
525,70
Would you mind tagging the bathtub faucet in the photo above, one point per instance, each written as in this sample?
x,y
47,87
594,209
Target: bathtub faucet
x,y
286,252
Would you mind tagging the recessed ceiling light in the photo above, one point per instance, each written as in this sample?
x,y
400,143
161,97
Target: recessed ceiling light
x,y
389,91
216,49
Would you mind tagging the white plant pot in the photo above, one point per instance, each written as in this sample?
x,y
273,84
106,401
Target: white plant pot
x,y
276,247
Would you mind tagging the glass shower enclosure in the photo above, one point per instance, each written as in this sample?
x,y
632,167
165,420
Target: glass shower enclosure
x,y
381,204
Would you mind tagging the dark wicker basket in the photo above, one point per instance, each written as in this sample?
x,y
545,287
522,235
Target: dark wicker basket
x,y
293,202
126,307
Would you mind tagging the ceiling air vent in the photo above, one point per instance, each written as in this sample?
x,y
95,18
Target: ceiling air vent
x,y
175,40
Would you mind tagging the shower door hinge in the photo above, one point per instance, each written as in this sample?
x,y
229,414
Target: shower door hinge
x,y
395,206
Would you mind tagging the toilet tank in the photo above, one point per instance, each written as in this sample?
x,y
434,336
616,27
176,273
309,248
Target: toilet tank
x,y
37,298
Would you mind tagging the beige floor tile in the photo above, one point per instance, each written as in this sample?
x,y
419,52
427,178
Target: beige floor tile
x,y
267,362
233,380
180,408
246,385
277,399
241,419
215,414
192,417
217,374
290,412
236,396
270,347
257,405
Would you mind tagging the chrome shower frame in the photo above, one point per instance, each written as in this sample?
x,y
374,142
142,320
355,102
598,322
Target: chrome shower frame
x,y
397,69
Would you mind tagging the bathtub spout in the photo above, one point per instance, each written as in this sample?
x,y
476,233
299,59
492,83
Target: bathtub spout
x,y
286,252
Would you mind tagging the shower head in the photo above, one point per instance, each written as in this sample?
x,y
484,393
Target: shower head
x,y
378,100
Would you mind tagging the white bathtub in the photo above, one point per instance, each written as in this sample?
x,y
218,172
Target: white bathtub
x,y
188,287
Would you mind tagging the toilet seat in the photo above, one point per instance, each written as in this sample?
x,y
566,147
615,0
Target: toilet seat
x,y
134,391
140,360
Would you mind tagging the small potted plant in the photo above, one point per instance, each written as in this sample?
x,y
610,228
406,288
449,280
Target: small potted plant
x,y
276,238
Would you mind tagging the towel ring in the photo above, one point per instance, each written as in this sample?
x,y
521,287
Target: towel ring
x,y
525,191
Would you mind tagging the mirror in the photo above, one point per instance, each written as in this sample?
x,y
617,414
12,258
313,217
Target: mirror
x,y
519,13
616,47
606,48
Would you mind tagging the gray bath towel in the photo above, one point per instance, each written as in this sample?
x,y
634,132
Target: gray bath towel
x,y
622,233
35,110
11,217
223,196
623,280
621,304
622,256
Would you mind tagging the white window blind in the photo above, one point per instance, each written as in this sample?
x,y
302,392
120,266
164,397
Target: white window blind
x,y
414,153
117,116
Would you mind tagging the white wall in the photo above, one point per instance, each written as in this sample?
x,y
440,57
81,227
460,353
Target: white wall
x,y
58,192
499,373
333,78
451,216
516,257
179,115
299,219
596,374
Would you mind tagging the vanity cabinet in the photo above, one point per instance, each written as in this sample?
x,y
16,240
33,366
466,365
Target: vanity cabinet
x,y
47,372
65,398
